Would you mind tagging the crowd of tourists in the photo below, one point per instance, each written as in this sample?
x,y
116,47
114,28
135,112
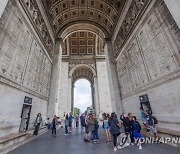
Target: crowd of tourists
x,y
110,123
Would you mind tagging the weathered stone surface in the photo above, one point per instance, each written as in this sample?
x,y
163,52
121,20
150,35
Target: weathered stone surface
x,y
149,64
11,107
146,50
22,59
25,70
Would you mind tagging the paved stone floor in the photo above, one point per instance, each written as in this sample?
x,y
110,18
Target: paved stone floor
x,y
74,144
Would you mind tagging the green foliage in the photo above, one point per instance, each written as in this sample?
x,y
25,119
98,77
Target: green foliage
x,y
76,111
89,109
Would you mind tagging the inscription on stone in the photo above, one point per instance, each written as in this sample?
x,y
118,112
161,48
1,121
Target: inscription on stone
x,y
22,59
156,50
152,53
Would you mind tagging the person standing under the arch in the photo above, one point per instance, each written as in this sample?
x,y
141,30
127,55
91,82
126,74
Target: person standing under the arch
x,y
152,122
127,123
53,125
114,129
37,123
76,118
66,122
70,121
95,132
64,116
137,131
106,127
86,118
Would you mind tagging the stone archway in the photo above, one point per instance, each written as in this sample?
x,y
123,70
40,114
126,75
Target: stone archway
x,y
88,72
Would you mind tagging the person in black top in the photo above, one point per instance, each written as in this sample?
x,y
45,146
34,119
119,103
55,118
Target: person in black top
x,y
114,130
127,122
53,125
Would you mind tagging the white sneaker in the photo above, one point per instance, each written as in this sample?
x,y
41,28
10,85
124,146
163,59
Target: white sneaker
x,y
132,143
127,144
119,147
65,134
140,147
115,149
138,144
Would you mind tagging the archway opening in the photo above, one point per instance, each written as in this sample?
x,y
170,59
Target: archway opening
x,y
82,96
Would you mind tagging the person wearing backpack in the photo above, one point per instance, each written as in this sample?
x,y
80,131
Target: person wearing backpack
x,y
95,132
137,131
152,121
91,125
82,119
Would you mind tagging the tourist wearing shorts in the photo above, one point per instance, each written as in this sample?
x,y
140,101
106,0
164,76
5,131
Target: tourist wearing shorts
x,y
106,127
151,124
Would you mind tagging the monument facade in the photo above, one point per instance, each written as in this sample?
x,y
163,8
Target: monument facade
x,y
125,49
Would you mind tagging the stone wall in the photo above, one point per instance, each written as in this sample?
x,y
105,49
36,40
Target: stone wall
x,y
64,105
11,101
105,104
149,63
25,68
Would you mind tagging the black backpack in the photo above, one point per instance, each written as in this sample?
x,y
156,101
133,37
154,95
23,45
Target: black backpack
x,y
83,121
155,120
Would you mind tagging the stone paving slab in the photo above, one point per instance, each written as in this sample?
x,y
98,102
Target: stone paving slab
x,y
74,144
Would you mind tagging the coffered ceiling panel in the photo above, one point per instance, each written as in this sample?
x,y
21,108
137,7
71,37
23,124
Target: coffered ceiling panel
x,y
83,43
102,13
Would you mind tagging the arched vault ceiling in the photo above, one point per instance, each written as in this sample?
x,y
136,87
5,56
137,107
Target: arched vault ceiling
x,y
83,72
102,13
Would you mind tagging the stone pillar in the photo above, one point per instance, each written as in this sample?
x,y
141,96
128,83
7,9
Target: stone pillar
x,y
54,90
72,97
63,89
105,104
113,79
3,4
96,96
174,8
69,95
92,95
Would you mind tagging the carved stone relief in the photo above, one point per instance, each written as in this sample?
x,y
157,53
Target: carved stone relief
x,y
136,7
39,22
150,53
22,60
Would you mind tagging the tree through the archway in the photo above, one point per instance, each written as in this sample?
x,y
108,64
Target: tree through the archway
x,y
82,95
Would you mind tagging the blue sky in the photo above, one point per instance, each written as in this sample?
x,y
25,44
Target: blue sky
x,y
82,94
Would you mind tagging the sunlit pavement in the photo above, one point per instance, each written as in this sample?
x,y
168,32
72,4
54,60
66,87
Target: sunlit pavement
x,y
74,144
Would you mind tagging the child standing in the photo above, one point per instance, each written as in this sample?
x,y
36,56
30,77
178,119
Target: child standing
x,y
48,124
